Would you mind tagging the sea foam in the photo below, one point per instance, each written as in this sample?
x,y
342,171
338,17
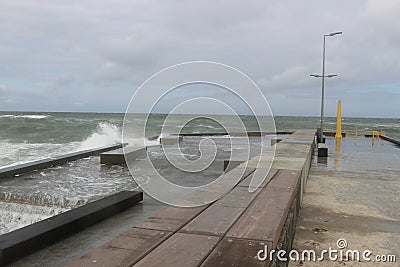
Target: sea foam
x,y
105,134
36,117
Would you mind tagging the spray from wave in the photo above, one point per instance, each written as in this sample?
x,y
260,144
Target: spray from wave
x,y
105,134
110,134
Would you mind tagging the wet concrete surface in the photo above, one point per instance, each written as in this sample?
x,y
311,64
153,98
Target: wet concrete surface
x,y
352,195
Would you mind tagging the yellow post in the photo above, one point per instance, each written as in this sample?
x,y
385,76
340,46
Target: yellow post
x,y
339,121
337,150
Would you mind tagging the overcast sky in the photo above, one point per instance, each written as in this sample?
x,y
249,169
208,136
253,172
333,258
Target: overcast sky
x,y
92,55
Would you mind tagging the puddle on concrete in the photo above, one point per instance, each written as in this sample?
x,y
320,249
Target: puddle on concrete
x,y
353,194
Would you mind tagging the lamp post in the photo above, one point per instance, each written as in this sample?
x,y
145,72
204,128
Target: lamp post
x,y
323,76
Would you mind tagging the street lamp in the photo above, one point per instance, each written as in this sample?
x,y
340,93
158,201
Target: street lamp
x,y
323,76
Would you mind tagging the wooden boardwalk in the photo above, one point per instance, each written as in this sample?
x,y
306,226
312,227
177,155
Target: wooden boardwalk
x,y
228,232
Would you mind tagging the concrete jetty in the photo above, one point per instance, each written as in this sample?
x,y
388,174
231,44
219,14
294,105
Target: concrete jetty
x,y
306,202
229,231
352,196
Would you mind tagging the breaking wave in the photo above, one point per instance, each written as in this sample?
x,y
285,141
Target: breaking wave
x,y
105,134
35,117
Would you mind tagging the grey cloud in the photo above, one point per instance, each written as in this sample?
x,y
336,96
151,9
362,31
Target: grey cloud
x,y
93,54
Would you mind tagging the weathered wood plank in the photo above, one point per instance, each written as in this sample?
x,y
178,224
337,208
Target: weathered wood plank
x,y
170,219
265,217
180,250
215,220
237,252
124,250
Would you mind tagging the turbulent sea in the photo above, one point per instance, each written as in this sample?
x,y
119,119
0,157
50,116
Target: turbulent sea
x,y
28,136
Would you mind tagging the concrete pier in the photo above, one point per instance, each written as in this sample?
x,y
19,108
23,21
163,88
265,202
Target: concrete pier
x,y
229,231
353,195
304,203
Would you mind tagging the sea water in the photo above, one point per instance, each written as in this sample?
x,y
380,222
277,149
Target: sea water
x,y
28,136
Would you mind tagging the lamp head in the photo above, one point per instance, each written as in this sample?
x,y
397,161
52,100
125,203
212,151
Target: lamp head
x,y
334,33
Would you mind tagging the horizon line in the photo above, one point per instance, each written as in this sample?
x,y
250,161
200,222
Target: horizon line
x,y
160,113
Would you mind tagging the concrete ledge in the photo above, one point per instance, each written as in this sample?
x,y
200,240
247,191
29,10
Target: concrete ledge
x,y
238,159
117,157
255,133
225,133
26,240
275,141
54,161
231,164
333,134
391,140
171,140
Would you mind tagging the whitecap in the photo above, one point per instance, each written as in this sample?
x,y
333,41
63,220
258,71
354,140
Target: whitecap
x,y
36,117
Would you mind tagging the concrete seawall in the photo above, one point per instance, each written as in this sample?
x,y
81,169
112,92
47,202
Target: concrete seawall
x,y
23,241
391,140
54,161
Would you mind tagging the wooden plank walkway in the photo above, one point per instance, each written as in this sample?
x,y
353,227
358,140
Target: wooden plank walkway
x,y
228,232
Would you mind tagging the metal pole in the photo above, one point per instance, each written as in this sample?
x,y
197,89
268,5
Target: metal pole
x,y
323,93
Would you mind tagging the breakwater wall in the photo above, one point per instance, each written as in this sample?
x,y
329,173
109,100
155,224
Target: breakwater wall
x,y
11,171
